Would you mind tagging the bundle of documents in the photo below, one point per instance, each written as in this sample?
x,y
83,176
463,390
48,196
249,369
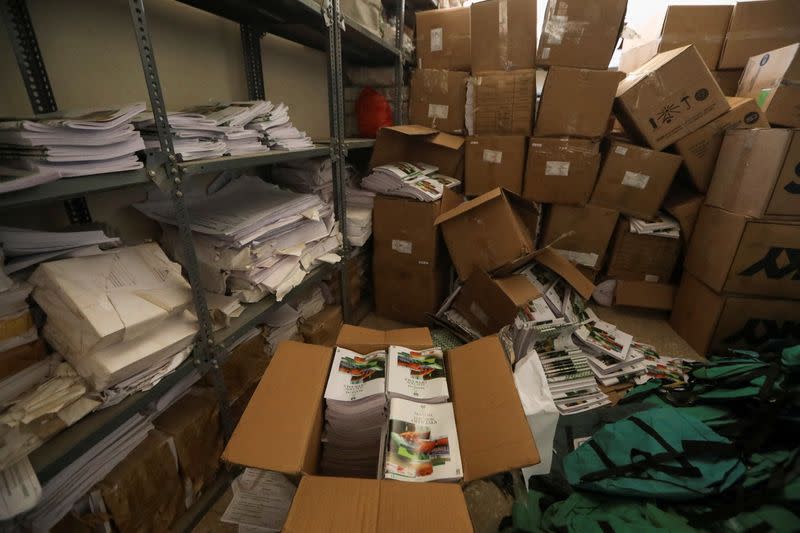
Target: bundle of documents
x,y
261,501
417,375
663,226
312,303
25,247
37,403
422,442
359,225
280,325
355,414
409,180
307,175
65,144
275,125
358,197
117,315
252,238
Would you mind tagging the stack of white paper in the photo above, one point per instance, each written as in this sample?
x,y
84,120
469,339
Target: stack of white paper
x,y
280,324
663,226
117,314
358,197
307,175
359,225
311,304
261,501
417,181
253,238
274,124
355,414
25,247
422,442
75,143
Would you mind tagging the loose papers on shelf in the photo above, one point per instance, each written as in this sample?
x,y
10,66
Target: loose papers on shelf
x,y
26,247
418,181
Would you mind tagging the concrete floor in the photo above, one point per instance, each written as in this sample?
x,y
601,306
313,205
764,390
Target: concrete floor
x,y
488,503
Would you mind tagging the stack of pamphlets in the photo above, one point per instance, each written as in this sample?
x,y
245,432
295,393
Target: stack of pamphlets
x,y
601,338
410,180
663,226
25,247
355,414
611,371
417,375
670,369
277,130
66,144
252,238
422,442
360,203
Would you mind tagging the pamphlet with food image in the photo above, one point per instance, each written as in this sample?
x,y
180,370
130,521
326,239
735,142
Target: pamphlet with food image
x,y
417,375
605,338
422,442
355,376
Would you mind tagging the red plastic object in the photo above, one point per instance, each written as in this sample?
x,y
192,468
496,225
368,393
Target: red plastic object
x,y
373,112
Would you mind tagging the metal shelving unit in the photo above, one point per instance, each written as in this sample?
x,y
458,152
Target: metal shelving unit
x,y
302,21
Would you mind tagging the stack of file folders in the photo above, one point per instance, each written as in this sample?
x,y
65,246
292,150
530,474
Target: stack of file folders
x,y
120,318
61,145
252,238
276,127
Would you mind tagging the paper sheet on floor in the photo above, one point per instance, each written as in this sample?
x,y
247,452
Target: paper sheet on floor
x,y
261,499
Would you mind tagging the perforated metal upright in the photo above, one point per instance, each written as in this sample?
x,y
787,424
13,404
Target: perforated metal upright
x,y
399,62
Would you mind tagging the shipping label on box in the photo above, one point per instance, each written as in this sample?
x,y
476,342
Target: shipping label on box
x,y
738,254
437,99
492,161
669,97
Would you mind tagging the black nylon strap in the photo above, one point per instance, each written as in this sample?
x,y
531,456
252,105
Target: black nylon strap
x,y
664,444
601,454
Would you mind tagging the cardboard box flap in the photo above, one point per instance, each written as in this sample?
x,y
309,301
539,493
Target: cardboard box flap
x,y
436,137
493,433
466,206
518,289
558,264
284,414
445,509
412,129
336,504
365,340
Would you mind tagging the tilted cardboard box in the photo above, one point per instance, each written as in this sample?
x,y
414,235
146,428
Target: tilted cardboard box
x,y
711,322
419,143
443,39
773,79
489,303
684,205
757,27
503,35
700,149
492,161
637,257
738,254
581,234
668,97
561,171
580,33
757,173
281,429
437,99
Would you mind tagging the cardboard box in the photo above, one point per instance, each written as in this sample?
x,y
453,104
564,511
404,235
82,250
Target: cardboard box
x,y
644,294
144,491
242,367
501,103
738,254
712,323
576,102
281,428
322,328
490,231
668,98
492,161
757,27
438,99
581,234
757,173
556,262
728,80
580,33
418,143
443,40
773,79
489,303
193,424
703,26
503,35
561,171
684,205
636,257
700,149
634,180
407,292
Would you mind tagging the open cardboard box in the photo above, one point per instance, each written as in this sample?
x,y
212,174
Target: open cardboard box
x,y
419,143
281,429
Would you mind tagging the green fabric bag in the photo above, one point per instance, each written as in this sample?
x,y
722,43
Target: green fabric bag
x,y
660,453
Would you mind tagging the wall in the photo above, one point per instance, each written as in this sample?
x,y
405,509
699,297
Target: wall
x,y
92,60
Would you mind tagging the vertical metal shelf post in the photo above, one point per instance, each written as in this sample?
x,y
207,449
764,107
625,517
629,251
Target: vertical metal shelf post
x,y
399,62
251,47
334,22
17,20
205,351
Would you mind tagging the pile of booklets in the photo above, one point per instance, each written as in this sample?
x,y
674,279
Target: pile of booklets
x,y
252,238
66,144
277,130
410,180
419,441
120,318
360,203
355,414
663,226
